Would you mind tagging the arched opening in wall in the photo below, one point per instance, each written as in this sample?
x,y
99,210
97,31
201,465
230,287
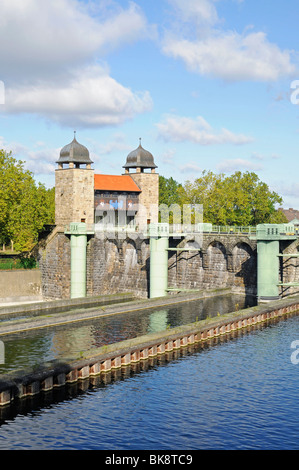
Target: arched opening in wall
x,y
189,272
245,268
296,271
193,254
217,265
184,263
111,252
289,270
130,256
193,245
145,267
144,253
217,256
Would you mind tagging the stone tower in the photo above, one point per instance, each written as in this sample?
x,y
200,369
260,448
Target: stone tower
x,y
140,160
74,186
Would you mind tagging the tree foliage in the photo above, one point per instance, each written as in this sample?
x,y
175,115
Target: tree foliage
x,y
240,199
169,191
25,207
169,197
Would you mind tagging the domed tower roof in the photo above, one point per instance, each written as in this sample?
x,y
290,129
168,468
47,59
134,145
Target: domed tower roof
x,y
140,158
74,153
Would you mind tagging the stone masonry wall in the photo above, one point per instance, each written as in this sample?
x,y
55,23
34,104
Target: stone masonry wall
x,y
223,261
116,266
74,196
148,198
289,268
55,265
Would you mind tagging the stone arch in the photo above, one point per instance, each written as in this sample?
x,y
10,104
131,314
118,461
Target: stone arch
x,y
241,253
144,252
244,266
192,243
184,265
289,268
111,251
193,257
217,256
130,255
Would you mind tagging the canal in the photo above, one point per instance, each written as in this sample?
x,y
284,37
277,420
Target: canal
x,y
239,393
37,346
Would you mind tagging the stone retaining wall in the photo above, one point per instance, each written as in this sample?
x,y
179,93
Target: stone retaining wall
x,y
20,284
122,265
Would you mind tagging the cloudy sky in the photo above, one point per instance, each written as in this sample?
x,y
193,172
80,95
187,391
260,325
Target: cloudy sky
x,y
207,85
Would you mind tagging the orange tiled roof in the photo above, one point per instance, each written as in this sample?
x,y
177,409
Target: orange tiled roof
x,y
115,183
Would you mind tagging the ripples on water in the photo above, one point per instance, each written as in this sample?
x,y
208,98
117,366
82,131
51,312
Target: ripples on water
x,y
35,347
238,394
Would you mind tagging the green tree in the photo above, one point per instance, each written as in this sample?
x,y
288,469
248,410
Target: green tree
x,y
240,199
168,191
25,207
169,197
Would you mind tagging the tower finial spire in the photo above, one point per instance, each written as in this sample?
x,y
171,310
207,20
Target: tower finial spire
x,y
140,141
75,134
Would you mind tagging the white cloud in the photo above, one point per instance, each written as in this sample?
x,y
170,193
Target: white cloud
x,y
289,193
38,40
90,98
116,144
228,55
191,167
291,190
233,57
200,11
168,157
180,129
39,160
50,55
260,157
238,164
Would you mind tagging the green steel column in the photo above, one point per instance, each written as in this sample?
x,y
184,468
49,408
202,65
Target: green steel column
x,y
78,260
158,266
267,269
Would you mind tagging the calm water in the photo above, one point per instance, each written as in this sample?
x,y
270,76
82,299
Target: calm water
x,y
38,346
237,394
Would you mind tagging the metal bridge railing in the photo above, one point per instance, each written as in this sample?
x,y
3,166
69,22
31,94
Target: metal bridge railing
x,y
232,229
171,228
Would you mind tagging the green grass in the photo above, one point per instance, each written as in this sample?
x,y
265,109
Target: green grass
x,y
15,263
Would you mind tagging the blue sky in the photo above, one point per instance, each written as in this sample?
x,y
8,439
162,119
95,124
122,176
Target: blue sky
x,y
206,84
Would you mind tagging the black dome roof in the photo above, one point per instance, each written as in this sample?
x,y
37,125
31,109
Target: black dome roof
x,y
140,158
74,152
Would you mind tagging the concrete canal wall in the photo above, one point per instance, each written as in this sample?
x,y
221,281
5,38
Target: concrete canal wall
x,y
60,307
97,363
20,285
